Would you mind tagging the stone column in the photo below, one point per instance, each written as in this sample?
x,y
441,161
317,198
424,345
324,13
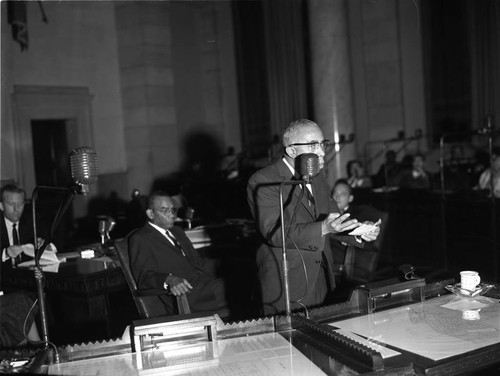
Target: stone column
x,y
331,80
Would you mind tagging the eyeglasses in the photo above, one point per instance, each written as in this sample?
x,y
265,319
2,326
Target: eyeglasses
x,y
314,145
166,211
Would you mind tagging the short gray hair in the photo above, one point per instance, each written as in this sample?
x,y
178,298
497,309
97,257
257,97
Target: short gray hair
x,y
153,196
293,129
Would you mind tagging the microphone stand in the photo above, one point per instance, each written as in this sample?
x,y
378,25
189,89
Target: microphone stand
x,y
443,200
490,131
39,276
443,195
283,245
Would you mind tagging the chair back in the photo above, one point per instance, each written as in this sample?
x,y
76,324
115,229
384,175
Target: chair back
x,y
360,266
149,306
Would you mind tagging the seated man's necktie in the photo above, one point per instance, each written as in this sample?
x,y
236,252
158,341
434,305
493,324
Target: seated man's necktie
x,y
172,238
15,236
15,241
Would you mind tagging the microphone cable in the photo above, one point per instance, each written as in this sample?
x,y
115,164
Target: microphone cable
x,y
56,353
26,320
304,268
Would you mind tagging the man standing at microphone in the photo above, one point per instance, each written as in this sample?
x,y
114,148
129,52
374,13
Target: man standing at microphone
x,y
311,219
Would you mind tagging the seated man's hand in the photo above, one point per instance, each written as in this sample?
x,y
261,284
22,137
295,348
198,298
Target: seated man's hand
x,y
336,223
13,251
178,286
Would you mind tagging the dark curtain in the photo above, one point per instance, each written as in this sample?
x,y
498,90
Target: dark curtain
x,y
286,64
484,23
252,77
271,45
461,42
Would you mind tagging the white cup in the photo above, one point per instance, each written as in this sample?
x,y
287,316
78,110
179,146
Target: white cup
x,y
469,279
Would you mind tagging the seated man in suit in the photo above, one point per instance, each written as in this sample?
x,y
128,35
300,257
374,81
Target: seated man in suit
x,y
15,229
162,258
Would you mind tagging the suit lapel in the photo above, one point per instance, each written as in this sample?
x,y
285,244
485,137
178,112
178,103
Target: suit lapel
x,y
4,234
162,239
286,175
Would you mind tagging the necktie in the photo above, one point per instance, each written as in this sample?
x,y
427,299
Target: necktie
x,y
15,241
310,197
15,236
172,238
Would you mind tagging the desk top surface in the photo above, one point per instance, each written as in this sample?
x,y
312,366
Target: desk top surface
x,y
437,328
73,265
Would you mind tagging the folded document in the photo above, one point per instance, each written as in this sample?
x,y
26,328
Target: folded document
x,y
49,256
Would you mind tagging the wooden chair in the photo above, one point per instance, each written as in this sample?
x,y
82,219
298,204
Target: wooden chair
x,y
148,302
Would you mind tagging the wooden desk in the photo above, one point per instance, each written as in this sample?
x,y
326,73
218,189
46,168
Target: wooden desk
x,y
78,297
435,336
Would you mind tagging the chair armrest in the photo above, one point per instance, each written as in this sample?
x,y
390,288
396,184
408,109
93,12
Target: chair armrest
x,y
182,302
152,292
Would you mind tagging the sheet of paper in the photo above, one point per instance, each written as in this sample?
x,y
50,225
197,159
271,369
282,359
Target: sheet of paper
x,y
49,256
370,343
363,229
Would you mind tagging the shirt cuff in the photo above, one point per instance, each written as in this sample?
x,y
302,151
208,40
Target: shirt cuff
x,y
4,255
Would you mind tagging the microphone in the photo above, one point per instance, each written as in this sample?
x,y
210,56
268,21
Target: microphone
x,y
308,166
84,168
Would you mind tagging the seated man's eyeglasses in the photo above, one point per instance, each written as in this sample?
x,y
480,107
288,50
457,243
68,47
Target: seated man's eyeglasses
x,y
172,210
314,145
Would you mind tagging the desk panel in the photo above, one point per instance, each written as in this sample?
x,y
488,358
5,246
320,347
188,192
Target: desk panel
x,y
78,297
258,355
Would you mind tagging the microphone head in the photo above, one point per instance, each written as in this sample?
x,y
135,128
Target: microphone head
x,y
84,168
308,166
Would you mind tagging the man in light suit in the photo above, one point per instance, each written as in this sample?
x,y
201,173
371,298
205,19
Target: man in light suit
x,y
311,220
162,258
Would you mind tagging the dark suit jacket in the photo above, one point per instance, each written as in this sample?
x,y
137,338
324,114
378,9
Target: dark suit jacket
x,y
303,228
153,258
25,231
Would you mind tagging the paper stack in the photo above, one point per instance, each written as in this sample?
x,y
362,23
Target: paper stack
x,y
49,256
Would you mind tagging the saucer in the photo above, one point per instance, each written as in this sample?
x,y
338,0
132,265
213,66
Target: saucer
x,y
480,289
